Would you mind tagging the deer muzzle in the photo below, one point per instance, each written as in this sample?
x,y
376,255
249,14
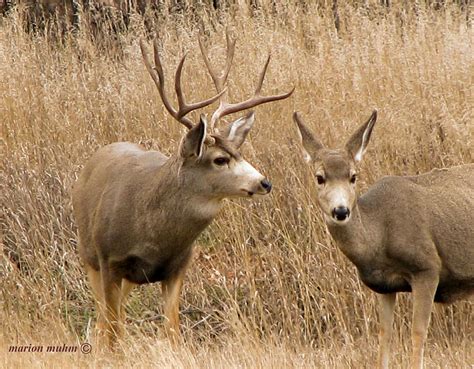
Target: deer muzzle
x,y
341,213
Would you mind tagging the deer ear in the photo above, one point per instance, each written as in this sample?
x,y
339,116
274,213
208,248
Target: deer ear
x,y
357,143
311,145
237,131
192,143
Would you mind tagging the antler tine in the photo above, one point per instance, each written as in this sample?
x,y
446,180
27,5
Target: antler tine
x,y
157,75
214,77
219,80
185,108
262,76
226,109
229,57
158,66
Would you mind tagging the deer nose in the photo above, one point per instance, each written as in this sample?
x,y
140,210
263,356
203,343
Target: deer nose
x,y
341,213
266,185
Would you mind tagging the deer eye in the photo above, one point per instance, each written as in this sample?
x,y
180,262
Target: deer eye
x,y
320,179
353,178
221,161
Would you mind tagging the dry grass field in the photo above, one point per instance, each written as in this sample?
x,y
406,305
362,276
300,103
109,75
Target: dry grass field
x,y
269,288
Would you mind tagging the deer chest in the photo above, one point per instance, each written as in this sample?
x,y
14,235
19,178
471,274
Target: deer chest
x,y
151,267
383,281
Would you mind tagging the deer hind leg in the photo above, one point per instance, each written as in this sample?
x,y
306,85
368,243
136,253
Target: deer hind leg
x,y
387,306
111,285
424,289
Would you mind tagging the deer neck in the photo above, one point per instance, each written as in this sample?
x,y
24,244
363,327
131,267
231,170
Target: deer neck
x,y
356,238
173,192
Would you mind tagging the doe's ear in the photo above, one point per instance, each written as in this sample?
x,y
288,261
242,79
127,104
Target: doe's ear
x,y
311,144
357,143
238,130
192,143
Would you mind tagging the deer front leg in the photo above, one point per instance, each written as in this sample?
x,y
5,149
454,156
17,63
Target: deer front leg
x,y
111,292
127,287
387,306
95,281
424,289
171,292
171,288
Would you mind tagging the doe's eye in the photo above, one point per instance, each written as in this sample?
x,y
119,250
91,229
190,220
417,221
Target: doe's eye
x,y
221,161
320,179
353,178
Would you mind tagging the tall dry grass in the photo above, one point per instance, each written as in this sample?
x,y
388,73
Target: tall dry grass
x,y
269,288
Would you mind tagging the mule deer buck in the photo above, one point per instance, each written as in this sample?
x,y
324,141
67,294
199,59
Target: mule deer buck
x,y
138,212
405,234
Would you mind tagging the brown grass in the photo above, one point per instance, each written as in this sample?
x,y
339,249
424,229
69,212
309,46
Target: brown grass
x,y
269,288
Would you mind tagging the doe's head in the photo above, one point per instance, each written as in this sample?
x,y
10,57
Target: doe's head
x,y
214,164
335,170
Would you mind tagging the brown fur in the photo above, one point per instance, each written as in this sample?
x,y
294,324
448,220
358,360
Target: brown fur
x,y
405,234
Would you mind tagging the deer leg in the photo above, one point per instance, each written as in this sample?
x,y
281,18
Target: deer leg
x,y
171,291
124,292
95,281
387,306
424,289
112,290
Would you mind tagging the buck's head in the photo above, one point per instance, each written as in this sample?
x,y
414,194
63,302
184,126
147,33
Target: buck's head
x,y
214,164
335,170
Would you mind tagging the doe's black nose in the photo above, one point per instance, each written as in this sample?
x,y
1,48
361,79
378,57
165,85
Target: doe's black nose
x,y
266,185
341,213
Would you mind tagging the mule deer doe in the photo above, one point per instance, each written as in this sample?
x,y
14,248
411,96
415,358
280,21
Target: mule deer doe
x,y
405,234
138,212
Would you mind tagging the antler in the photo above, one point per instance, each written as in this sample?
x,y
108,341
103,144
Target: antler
x,y
157,75
226,108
